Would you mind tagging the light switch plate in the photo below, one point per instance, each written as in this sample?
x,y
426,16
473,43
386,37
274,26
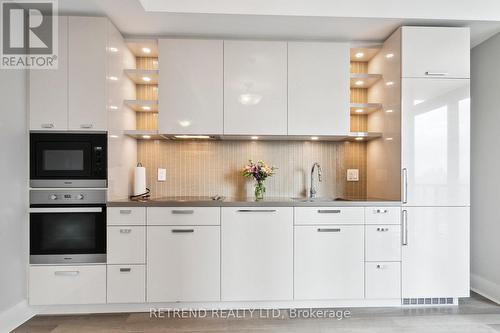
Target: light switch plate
x,y
162,174
352,175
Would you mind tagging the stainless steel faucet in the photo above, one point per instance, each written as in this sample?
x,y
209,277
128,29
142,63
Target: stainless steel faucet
x,y
313,190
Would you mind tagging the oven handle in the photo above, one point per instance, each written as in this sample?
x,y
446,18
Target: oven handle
x,y
66,210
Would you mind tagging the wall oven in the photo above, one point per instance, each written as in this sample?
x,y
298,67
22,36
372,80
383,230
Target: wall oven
x,y
67,226
68,160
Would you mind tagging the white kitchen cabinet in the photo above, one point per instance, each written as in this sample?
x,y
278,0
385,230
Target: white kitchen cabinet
x,y
51,285
190,86
383,215
329,215
257,253
329,262
48,89
87,42
126,245
126,215
126,284
183,263
435,252
383,280
435,52
318,88
436,142
255,88
383,242
183,216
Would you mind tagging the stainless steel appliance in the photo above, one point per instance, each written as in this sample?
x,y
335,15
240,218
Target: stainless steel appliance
x,y
67,226
68,160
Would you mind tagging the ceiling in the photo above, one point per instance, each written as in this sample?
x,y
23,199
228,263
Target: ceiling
x,y
286,19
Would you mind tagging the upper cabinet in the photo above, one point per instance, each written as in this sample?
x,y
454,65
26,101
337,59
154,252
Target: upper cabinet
x,y
255,88
73,96
87,39
190,86
318,88
435,52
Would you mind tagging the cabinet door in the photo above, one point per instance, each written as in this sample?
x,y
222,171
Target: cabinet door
x,y
383,242
87,73
126,284
183,264
436,52
126,245
257,254
436,142
318,88
255,88
383,280
48,89
435,259
329,262
191,86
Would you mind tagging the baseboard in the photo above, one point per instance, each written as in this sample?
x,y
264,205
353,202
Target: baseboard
x,y
15,316
486,288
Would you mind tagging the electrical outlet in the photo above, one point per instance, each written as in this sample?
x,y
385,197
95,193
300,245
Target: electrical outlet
x,y
162,174
352,175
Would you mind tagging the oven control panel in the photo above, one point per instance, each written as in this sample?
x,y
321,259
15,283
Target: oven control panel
x,y
67,197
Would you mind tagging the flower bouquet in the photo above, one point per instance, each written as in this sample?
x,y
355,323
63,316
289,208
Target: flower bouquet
x,y
259,171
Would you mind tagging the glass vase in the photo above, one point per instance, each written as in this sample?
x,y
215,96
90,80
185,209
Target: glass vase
x,y
260,189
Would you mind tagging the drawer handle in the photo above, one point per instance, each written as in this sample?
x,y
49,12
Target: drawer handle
x,y
67,273
436,73
125,231
380,266
125,211
183,211
381,211
256,210
404,229
125,270
182,231
382,229
48,125
86,125
329,211
329,229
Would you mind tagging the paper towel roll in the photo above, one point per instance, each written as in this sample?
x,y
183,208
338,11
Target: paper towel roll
x,y
140,180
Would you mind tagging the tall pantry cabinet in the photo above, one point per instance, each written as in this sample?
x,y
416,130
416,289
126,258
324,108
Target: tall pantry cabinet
x,y
435,108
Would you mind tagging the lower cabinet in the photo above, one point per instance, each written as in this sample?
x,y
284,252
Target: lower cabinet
x,y
257,253
126,284
50,285
329,262
183,263
383,280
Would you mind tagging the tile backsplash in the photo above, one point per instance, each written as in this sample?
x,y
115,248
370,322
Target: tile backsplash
x,y
206,168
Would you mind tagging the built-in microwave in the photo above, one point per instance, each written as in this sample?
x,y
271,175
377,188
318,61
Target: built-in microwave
x,y
68,160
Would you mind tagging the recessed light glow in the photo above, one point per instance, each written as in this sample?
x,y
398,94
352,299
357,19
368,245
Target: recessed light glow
x,y
249,99
358,138
254,137
184,123
192,136
146,108
388,111
113,49
146,136
389,55
359,111
388,139
146,50
359,83
359,55
113,136
113,107
389,83
113,78
146,79
314,138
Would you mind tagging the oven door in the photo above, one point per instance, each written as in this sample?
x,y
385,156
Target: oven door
x,y
68,234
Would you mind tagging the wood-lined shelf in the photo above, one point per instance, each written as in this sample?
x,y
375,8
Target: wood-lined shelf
x,y
367,53
142,105
145,134
364,80
367,108
139,75
138,46
363,136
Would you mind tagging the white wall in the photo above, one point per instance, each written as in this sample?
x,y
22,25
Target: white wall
x,y
14,189
485,166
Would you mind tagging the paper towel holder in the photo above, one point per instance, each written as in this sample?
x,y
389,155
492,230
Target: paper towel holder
x,y
142,196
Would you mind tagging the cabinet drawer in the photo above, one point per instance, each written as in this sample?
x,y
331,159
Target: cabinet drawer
x,y
329,215
383,242
383,215
126,215
126,245
183,216
50,285
383,280
126,284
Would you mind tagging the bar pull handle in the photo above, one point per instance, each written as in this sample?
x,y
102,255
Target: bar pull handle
x,y
182,211
436,73
125,231
86,125
404,228
182,231
125,270
329,229
126,211
329,211
50,125
67,273
405,185
256,210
